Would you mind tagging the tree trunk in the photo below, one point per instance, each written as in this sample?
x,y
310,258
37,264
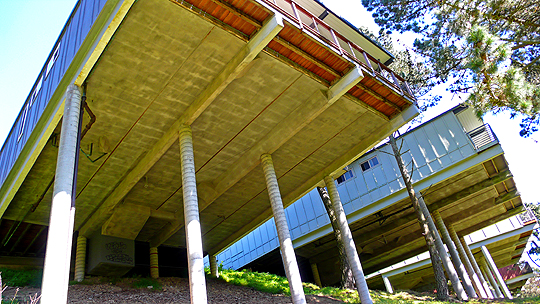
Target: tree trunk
x,y
440,279
347,278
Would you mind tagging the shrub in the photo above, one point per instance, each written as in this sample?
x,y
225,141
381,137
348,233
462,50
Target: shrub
x,y
21,277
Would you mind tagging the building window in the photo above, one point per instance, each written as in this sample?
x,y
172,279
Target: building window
x,y
35,92
50,65
369,164
23,122
346,176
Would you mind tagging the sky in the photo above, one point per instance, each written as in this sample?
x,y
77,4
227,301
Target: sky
x,y
29,29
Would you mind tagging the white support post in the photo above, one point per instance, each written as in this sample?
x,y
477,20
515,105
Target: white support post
x,y
154,263
495,270
285,242
197,283
460,268
80,258
348,242
60,236
387,284
316,276
476,280
213,266
476,268
487,273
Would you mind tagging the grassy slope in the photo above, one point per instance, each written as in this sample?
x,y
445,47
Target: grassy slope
x,y
271,283
264,282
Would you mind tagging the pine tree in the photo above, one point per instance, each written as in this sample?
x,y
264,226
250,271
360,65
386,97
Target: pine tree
x,y
486,49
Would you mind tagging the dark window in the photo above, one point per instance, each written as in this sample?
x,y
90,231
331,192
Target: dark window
x,y
369,164
347,175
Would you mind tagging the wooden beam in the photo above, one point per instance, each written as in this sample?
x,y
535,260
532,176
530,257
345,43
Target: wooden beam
x,y
238,13
305,54
499,178
390,226
490,221
233,68
367,107
506,197
379,97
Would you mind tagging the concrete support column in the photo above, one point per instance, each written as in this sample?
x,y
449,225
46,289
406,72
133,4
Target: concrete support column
x,y
460,268
285,242
495,270
348,242
60,236
387,284
487,273
154,263
80,258
475,279
213,266
476,268
316,277
197,283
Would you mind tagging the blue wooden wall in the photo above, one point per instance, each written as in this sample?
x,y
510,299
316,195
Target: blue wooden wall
x,y
73,34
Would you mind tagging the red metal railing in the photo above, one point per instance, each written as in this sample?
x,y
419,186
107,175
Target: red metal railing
x,y
311,23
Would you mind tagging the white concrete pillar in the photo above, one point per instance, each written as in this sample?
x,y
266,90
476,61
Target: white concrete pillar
x,y
348,242
495,270
60,236
460,268
494,287
80,258
387,284
154,263
476,268
197,283
285,242
472,274
316,277
213,266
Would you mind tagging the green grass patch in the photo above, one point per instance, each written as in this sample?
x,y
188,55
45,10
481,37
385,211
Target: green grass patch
x,y
271,283
146,283
21,277
264,282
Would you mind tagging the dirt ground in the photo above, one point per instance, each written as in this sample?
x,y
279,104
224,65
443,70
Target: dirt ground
x,y
175,290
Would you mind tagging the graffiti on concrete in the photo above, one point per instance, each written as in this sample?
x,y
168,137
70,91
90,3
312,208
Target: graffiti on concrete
x,y
117,253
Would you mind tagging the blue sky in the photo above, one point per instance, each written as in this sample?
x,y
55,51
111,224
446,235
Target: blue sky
x,y
29,29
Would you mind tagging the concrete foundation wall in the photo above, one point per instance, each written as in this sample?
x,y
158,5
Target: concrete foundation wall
x,y
110,256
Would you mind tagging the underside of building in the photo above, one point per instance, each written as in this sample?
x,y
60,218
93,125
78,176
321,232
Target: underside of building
x,y
235,81
505,240
456,164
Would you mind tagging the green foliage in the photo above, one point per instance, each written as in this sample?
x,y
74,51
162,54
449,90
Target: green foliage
x,y
487,49
271,283
21,277
414,71
264,282
146,282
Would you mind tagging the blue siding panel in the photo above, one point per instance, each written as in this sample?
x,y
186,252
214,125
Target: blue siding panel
x,y
74,33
